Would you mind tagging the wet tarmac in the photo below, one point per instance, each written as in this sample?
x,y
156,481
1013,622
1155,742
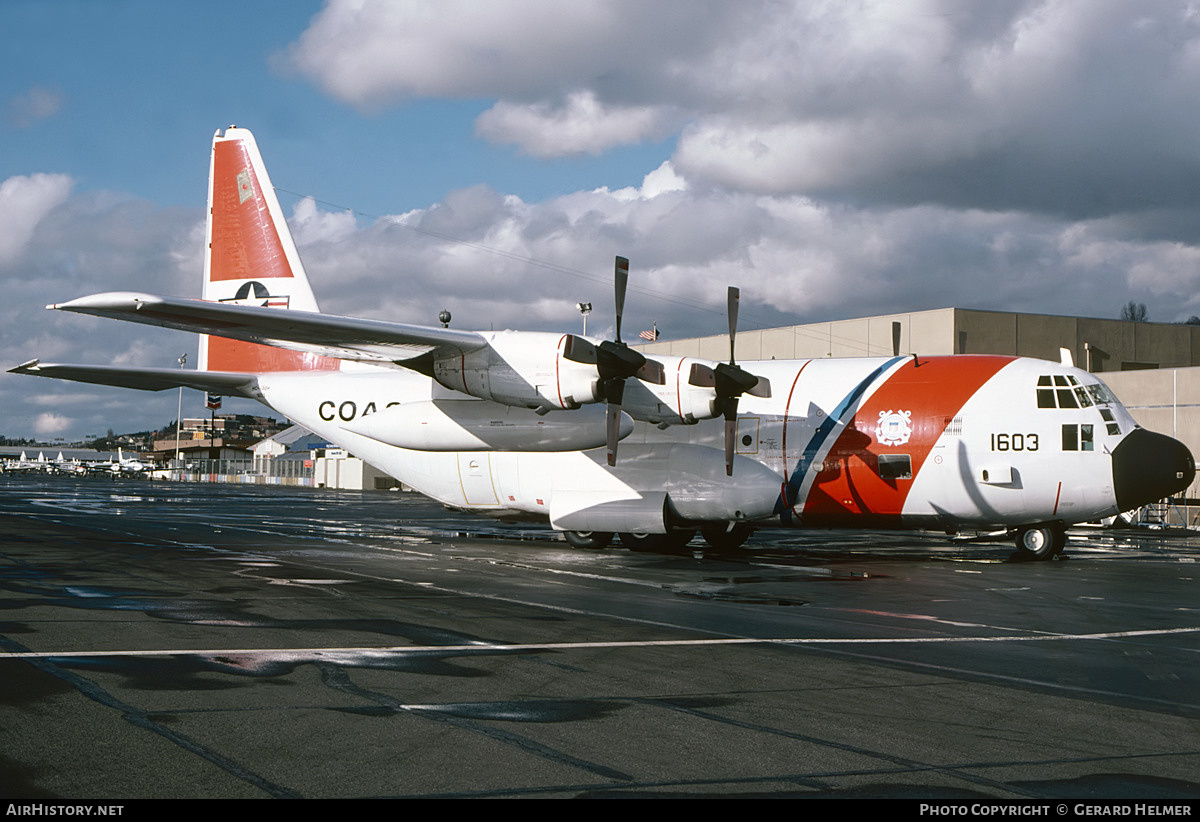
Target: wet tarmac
x,y
170,640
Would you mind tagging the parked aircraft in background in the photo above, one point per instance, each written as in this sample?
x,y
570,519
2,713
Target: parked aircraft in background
x,y
597,439
23,464
123,465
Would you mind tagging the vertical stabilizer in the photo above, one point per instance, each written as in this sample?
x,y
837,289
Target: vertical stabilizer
x,y
250,257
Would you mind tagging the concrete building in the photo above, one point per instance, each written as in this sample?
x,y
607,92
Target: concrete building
x,y
1096,344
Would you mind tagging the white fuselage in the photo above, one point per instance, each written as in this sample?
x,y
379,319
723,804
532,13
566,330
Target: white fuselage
x,y
899,442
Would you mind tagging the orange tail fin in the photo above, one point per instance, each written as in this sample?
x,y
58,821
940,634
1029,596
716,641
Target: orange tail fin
x,y
250,257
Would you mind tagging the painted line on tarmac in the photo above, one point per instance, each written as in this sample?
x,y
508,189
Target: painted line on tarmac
x,y
569,646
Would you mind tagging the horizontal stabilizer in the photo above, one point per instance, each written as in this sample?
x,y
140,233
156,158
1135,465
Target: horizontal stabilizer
x,y
344,338
147,379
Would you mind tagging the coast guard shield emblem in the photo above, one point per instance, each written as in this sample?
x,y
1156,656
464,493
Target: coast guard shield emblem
x,y
894,427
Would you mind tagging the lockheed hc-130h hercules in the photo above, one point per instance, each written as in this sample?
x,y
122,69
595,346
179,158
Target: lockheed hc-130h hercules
x,y
598,439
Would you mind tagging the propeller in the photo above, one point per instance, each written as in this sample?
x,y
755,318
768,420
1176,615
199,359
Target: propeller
x,y
729,381
615,362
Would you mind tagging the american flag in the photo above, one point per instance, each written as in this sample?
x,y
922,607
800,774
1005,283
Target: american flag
x,y
651,335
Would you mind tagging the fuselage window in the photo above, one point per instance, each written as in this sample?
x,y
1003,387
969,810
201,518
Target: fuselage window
x,y
895,466
1078,437
1110,421
1070,437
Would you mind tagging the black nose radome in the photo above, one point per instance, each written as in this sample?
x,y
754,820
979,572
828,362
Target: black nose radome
x,y
1148,467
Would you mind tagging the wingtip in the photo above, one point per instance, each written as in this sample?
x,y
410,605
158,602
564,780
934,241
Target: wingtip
x,y
108,301
25,367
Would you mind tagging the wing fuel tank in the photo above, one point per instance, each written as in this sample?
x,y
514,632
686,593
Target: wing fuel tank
x,y
473,425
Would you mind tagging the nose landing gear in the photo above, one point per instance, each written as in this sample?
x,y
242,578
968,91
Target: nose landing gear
x,y
1041,542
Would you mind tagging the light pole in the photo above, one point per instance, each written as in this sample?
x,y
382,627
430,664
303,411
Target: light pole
x,y
584,309
179,412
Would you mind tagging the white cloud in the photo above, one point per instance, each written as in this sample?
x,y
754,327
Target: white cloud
x,y
39,103
48,423
1074,107
73,244
311,225
500,262
376,52
24,201
580,125
662,180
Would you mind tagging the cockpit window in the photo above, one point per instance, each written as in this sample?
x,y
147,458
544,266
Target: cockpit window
x,y
1065,391
1101,394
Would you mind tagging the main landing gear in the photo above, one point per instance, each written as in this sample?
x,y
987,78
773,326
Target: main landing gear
x,y
595,540
1041,542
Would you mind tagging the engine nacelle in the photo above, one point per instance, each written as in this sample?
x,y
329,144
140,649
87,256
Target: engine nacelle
x,y
686,395
676,401
523,369
472,425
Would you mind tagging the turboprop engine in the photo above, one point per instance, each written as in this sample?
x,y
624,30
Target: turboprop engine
x,y
564,372
523,369
686,394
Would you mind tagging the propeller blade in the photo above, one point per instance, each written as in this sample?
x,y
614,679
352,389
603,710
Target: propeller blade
x,y
652,372
701,376
577,349
731,405
614,390
731,308
620,282
730,381
761,389
895,339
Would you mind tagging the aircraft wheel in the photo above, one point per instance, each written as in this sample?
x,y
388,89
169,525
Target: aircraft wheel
x,y
1041,541
643,542
678,540
596,540
727,536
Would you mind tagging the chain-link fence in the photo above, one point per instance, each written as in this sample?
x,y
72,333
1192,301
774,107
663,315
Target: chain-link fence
x,y
255,471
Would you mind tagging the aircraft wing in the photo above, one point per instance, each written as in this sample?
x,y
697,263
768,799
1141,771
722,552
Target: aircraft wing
x,y
147,379
344,338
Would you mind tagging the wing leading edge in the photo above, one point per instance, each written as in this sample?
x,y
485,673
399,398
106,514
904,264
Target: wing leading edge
x,y
147,379
345,338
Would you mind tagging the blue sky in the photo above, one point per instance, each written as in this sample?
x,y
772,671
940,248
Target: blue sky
x,y
832,159
173,72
